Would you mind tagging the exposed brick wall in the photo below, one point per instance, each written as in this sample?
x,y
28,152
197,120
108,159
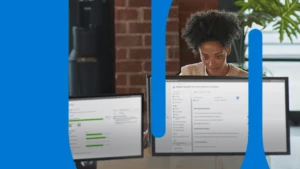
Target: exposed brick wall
x,y
186,8
133,44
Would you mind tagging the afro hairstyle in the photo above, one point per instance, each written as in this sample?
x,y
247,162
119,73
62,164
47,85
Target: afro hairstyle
x,y
209,25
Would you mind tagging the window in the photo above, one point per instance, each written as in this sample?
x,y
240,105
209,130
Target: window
x,y
273,49
290,69
282,59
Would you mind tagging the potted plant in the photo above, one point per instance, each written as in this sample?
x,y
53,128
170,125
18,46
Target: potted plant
x,y
283,18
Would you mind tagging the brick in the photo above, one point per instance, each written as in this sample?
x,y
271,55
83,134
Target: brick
x,y
211,5
121,90
145,111
137,80
139,27
172,73
192,5
175,3
121,80
120,3
135,90
145,122
140,53
173,13
147,14
126,14
128,66
121,54
183,17
172,40
172,66
139,3
172,26
147,40
145,101
147,66
120,27
173,52
129,40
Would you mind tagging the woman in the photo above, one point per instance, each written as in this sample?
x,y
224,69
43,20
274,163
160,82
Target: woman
x,y
210,34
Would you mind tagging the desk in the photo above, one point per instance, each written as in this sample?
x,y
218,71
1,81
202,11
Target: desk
x,y
207,162
149,162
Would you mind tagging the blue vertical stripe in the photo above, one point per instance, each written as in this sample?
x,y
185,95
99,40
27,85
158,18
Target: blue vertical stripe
x,y
34,85
159,16
255,155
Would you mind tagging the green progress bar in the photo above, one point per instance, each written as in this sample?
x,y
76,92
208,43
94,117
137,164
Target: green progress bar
x,y
93,134
94,138
81,120
94,145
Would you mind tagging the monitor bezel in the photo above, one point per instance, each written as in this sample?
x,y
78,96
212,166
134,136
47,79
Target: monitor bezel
x,y
103,96
295,117
174,77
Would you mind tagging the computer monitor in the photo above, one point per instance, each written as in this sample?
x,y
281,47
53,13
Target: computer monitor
x,y
106,127
209,116
294,100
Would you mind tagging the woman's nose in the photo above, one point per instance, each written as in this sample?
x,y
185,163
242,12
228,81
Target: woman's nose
x,y
212,63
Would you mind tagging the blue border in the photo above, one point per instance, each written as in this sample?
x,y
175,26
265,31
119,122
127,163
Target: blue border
x,y
34,85
255,154
159,17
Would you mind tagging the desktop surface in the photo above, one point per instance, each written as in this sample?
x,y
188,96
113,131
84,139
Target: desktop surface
x,y
106,127
209,116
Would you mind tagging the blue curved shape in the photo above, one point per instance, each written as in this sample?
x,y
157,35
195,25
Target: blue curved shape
x,y
159,17
34,85
255,154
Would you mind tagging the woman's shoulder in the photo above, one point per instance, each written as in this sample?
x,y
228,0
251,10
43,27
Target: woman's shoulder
x,y
236,71
192,69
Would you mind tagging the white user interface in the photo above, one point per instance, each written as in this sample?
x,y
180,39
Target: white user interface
x,y
105,127
211,116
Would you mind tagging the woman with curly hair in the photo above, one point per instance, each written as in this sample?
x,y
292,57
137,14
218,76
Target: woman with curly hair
x,y
210,34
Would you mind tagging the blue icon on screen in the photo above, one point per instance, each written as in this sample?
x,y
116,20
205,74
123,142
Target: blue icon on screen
x,y
237,97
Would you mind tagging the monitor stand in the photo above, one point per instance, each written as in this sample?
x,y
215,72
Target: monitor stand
x,y
86,165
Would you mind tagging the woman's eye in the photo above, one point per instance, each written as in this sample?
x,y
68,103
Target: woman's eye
x,y
219,57
205,57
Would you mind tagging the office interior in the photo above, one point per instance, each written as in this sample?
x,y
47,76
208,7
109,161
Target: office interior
x,y
125,60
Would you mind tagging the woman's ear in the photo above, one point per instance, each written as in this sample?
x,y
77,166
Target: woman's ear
x,y
228,50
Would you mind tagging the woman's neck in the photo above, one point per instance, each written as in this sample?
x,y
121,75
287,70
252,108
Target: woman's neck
x,y
225,70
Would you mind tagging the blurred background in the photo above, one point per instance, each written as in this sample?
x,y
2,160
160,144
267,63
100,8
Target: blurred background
x,y
127,53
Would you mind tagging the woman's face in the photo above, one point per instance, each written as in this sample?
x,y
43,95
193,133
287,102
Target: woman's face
x,y
214,55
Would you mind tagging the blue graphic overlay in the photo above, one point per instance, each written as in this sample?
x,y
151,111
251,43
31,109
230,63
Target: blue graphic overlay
x,y
255,155
159,17
34,85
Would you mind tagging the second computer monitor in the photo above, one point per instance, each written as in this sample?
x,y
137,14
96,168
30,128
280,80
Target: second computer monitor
x,y
106,127
209,116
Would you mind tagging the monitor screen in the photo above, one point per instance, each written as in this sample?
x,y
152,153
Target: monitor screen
x,y
209,116
106,127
